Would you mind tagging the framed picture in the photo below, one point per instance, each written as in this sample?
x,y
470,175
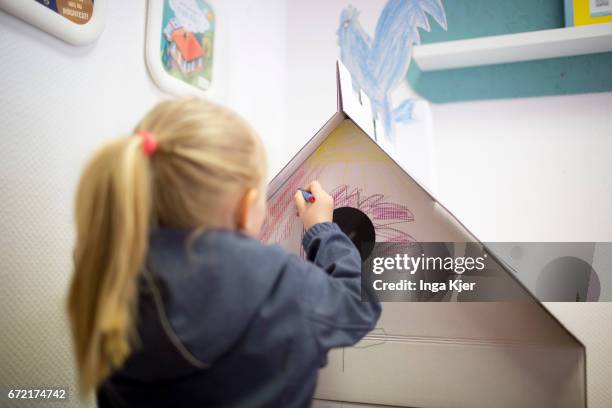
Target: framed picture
x,y
599,8
584,12
182,46
78,22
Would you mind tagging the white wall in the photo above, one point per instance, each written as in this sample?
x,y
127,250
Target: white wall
x,y
57,103
257,65
535,169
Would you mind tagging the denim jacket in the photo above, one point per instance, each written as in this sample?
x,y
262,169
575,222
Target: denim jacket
x,y
226,321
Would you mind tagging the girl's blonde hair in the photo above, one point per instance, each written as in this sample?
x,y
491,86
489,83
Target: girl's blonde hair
x,y
206,157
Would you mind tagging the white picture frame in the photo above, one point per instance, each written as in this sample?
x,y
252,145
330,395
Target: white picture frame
x,y
165,81
57,25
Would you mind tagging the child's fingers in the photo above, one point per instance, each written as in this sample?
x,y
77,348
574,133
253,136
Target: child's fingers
x,y
319,193
300,203
315,188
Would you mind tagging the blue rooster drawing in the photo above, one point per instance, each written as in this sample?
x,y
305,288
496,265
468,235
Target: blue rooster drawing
x,y
379,64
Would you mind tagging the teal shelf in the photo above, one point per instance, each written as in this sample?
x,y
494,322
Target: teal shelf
x,y
478,20
484,18
559,76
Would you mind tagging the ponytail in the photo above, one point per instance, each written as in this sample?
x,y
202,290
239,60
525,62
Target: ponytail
x,y
113,211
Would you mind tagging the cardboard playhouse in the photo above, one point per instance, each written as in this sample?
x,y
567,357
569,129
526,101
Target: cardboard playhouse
x,y
421,354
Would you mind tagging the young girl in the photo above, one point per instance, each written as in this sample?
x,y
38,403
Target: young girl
x,y
173,301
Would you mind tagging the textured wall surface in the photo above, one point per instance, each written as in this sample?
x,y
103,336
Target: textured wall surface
x,y
58,103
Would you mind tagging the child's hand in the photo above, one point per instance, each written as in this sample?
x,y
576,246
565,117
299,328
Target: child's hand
x,y
321,210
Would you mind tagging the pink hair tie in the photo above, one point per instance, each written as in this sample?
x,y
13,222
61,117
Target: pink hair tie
x,y
149,144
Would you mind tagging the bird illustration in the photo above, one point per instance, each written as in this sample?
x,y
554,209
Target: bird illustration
x,y
379,64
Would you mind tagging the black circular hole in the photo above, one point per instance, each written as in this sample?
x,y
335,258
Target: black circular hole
x,y
358,227
568,279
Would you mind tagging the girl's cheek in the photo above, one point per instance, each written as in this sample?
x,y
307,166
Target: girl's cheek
x,y
261,215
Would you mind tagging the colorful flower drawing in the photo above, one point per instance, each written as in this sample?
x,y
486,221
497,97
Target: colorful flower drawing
x,y
281,219
386,216
187,41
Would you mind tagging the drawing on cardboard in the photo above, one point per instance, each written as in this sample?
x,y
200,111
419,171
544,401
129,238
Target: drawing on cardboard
x,y
379,64
351,171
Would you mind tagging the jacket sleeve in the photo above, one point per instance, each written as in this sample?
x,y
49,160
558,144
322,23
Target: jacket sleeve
x,y
333,299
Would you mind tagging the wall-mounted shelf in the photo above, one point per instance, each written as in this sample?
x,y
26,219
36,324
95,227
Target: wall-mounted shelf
x,y
508,48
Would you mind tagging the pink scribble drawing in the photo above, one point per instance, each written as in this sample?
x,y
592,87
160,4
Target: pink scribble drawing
x,y
388,217
281,214
385,215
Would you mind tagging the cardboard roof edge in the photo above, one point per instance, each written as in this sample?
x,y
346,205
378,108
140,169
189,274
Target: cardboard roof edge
x,y
357,108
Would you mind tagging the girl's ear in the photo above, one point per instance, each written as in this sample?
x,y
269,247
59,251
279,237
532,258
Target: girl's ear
x,y
244,212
